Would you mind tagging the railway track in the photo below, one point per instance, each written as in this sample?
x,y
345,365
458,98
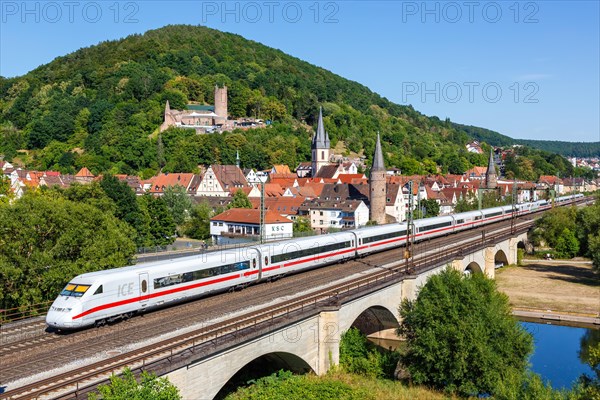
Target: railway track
x,y
148,354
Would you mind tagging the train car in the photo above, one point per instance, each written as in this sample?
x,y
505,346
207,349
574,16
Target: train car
x,y
433,227
467,220
98,297
294,255
493,214
372,239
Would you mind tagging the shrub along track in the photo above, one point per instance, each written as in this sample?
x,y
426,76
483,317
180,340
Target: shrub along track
x,y
110,340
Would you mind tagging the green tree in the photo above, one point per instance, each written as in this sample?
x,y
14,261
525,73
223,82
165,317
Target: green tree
x,y
589,386
91,194
550,227
127,207
198,225
461,336
301,224
5,193
127,387
432,208
47,240
178,202
159,225
567,245
240,200
594,248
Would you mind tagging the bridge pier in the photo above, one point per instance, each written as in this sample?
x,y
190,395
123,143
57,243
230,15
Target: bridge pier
x,y
329,337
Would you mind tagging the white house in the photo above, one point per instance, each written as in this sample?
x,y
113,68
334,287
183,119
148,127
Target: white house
x,y
326,214
243,224
221,181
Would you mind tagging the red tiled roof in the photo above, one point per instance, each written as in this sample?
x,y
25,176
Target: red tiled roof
x,y
352,178
84,173
281,169
162,181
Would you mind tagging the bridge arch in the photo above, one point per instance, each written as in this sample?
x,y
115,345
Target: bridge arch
x,y
473,268
374,319
501,257
262,366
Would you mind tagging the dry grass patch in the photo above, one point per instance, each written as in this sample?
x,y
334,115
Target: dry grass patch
x,y
565,287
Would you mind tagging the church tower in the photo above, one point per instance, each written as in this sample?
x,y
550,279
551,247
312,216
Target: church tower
x,y
320,146
491,180
377,186
169,119
221,102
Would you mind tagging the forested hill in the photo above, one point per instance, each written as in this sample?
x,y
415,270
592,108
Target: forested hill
x,y
101,107
569,149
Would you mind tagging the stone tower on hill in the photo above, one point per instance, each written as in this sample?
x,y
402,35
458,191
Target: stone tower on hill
x,y
320,146
491,180
221,102
377,186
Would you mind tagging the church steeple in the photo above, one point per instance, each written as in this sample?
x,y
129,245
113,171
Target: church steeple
x,y
378,164
321,138
320,146
491,179
377,186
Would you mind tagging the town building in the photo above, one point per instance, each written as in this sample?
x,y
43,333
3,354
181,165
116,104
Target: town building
x,y
238,225
220,180
326,215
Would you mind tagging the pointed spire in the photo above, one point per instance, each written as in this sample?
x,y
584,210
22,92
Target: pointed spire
x,y
491,180
167,107
491,169
321,138
378,164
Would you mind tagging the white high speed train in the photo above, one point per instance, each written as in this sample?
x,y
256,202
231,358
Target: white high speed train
x,y
99,297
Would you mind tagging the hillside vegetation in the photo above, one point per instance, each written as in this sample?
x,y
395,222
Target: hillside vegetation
x,y
569,149
101,107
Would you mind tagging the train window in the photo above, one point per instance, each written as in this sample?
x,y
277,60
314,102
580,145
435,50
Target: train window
x,y
144,286
74,290
460,221
309,252
254,263
176,279
383,236
266,260
434,226
99,290
493,214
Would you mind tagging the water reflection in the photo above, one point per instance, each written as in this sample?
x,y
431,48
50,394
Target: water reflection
x,y
561,352
591,338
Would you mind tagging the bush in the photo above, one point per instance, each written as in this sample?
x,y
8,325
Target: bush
x,y
359,356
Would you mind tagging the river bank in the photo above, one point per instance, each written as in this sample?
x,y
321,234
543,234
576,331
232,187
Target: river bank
x,y
552,290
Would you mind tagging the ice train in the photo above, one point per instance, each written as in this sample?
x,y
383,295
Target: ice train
x,y
98,297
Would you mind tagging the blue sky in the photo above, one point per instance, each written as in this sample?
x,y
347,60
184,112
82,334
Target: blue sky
x,y
525,69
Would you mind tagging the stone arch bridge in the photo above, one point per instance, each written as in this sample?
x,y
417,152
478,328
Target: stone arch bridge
x,y
312,342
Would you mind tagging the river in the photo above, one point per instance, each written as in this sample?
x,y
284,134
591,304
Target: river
x,y
560,352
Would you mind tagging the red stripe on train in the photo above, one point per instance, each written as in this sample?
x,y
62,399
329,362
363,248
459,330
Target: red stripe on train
x,y
153,295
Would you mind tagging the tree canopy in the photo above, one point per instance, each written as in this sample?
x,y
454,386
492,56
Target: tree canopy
x,y
461,335
571,231
47,240
128,387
